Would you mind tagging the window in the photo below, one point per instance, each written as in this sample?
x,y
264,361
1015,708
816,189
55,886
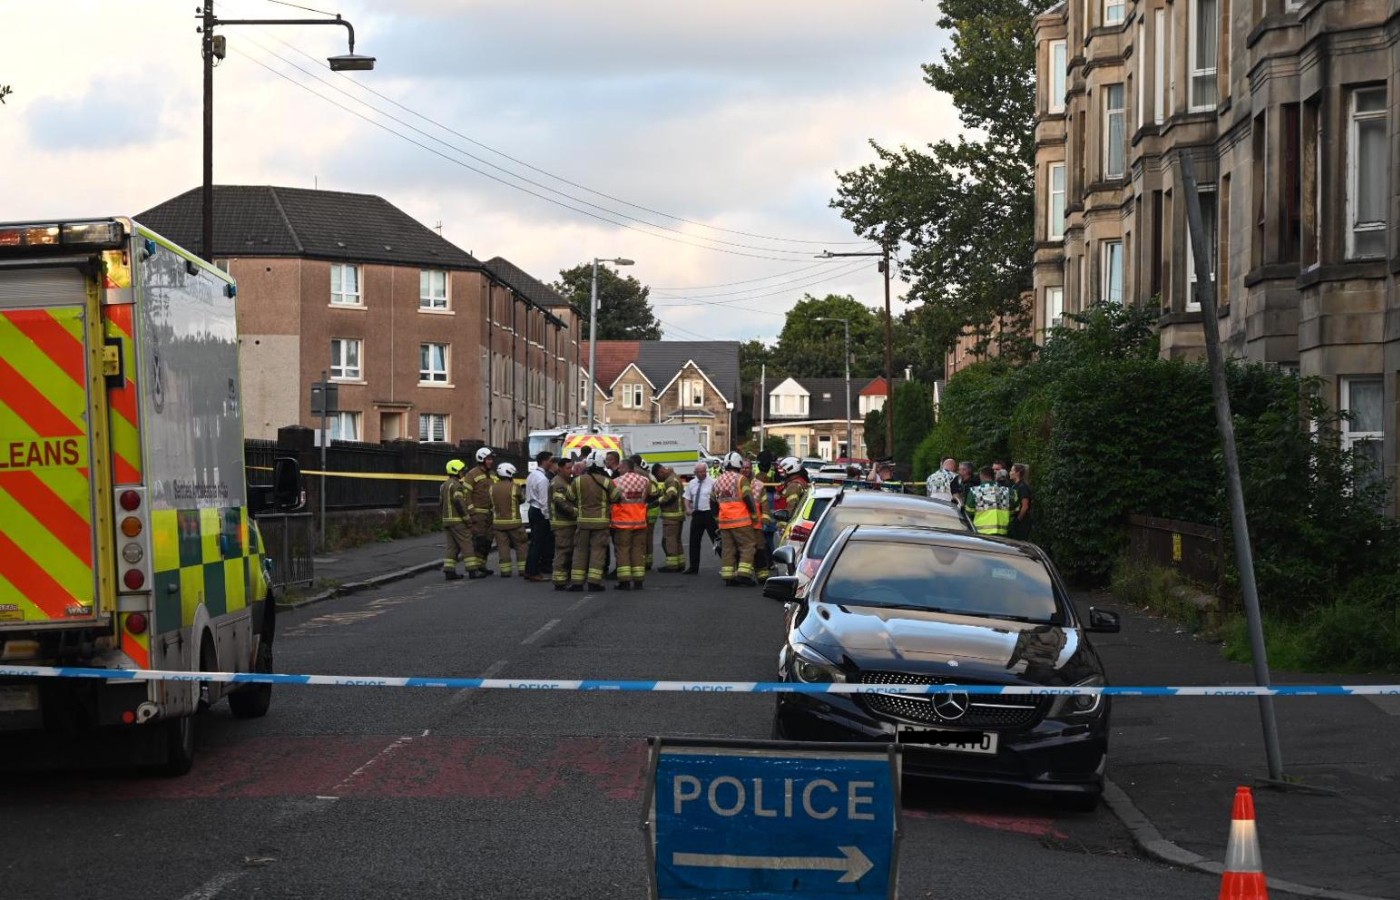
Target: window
x,y
1204,49
1139,59
1055,220
345,359
1059,70
1367,191
1113,11
344,426
1112,291
1363,399
803,445
1209,225
705,438
1115,133
432,289
1311,190
1171,59
692,392
432,363
432,428
1155,273
1054,306
345,286
1291,234
1159,63
633,396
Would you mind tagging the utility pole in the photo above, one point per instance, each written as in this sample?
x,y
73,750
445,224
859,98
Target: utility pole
x,y
1244,553
884,255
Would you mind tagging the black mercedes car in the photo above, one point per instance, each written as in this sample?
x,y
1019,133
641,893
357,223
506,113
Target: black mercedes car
x,y
904,606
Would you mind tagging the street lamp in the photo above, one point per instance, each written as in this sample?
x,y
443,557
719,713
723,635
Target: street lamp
x,y
884,255
846,325
593,334
214,48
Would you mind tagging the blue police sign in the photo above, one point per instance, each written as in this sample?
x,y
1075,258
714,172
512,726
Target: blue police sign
x,y
759,819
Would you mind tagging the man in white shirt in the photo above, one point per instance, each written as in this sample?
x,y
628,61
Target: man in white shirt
x,y
541,553
702,518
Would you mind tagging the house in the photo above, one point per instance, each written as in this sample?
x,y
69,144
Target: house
x,y
818,417
1287,109
423,340
693,382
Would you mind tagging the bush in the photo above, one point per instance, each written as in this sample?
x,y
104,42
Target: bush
x,y
913,418
777,445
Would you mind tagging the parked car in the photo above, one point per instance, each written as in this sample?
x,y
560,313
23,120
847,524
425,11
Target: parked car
x,y
813,465
854,506
830,473
907,606
795,526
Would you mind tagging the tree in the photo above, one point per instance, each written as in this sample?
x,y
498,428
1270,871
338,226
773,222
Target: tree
x,y
965,208
753,356
875,434
807,348
913,418
777,445
624,313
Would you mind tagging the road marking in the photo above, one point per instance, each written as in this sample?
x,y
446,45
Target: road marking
x,y
371,763
214,886
491,672
579,602
544,629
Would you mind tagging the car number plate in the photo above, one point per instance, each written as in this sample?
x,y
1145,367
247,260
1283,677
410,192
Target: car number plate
x,y
983,742
24,698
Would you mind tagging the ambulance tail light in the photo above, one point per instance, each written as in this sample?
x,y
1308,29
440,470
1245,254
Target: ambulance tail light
x,y
131,501
132,541
136,623
134,579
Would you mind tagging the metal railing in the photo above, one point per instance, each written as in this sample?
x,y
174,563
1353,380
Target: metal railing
x,y
289,540
1196,551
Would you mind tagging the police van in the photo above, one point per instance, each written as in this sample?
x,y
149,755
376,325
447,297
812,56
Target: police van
x,y
127,538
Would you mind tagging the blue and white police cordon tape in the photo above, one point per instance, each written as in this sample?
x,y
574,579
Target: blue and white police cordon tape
x,y
736,687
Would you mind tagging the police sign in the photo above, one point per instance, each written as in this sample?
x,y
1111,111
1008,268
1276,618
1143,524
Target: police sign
x,y
760,819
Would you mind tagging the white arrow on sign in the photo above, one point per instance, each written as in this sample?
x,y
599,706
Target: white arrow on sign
x,y
852,862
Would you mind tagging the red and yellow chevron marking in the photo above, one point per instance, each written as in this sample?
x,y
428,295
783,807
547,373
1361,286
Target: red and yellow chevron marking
x,y
123,414
592,442
46,547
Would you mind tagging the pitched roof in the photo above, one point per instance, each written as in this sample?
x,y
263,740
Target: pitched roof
x,y
660,361
828,397
265,220
876,388
525,283
613,358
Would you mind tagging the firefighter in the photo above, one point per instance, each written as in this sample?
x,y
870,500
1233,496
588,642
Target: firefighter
x,y
454,519
653,507
506,523
762,516
478,485
629,525
594,494
563,518
732,499
795,482
672,511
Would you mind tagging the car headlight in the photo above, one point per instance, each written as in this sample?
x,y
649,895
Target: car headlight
x,y
810,666
1076,705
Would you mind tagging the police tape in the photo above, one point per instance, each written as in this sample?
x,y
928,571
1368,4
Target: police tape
x,y
734,687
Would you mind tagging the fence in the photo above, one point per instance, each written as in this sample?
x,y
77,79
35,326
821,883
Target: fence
x,y
1196,551
289,540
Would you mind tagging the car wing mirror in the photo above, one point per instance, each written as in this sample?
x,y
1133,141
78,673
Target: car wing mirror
x,y
782,588
1102,621
286,483
787,556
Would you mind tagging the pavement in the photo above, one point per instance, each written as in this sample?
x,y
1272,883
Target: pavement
x,y
1332,830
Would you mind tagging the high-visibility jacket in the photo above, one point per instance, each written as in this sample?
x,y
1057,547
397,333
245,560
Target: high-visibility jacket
x,y
563,508
505,504
454,501
732,494
478,485
990,504
595,493
653,494
629,513
761,514
669,498
793,491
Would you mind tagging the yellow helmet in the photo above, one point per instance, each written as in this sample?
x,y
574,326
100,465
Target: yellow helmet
x,y
455,466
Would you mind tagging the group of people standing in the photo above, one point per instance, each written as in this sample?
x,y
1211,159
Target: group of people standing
x,y
997,498
595,504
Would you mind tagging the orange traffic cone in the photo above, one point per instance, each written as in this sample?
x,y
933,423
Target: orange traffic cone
x,y
1244,868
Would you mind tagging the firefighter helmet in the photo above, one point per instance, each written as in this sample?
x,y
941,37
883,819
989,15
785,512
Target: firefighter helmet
x,y
484,454
789,465
455,466
505,470
735,460
598,458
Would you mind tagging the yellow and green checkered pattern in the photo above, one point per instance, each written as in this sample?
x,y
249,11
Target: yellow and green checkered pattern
x,y
208,556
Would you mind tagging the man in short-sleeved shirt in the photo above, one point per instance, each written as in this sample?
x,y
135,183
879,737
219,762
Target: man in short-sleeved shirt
x,y
1022,503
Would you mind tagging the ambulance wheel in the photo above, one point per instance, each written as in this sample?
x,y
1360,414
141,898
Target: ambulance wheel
x,y
179,746
253,701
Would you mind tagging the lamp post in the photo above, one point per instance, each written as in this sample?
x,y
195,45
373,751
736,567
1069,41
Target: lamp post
x,y
846,325
593,334
884,255
213,48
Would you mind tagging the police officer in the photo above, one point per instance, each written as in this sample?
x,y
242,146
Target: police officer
x,y
732,500
454,519
668,503
506,522
629,525
594,493
478,487
563,518
989,504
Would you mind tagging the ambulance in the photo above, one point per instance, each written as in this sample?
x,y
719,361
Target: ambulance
x,y
127,538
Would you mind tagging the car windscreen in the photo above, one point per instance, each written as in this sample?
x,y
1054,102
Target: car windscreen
x,y
819,505
943,579
841,517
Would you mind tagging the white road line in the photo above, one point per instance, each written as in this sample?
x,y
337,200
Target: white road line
x,y
491,672
372,762
544,629
214,886
579,602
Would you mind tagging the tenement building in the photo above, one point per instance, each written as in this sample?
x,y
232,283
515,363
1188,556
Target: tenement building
x,y
1287,109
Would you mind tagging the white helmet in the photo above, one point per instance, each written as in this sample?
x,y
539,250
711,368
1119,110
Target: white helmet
x,y
789,465
734,460
598,459
484,454
505,470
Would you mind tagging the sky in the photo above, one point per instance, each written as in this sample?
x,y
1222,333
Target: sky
x,y
700,138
